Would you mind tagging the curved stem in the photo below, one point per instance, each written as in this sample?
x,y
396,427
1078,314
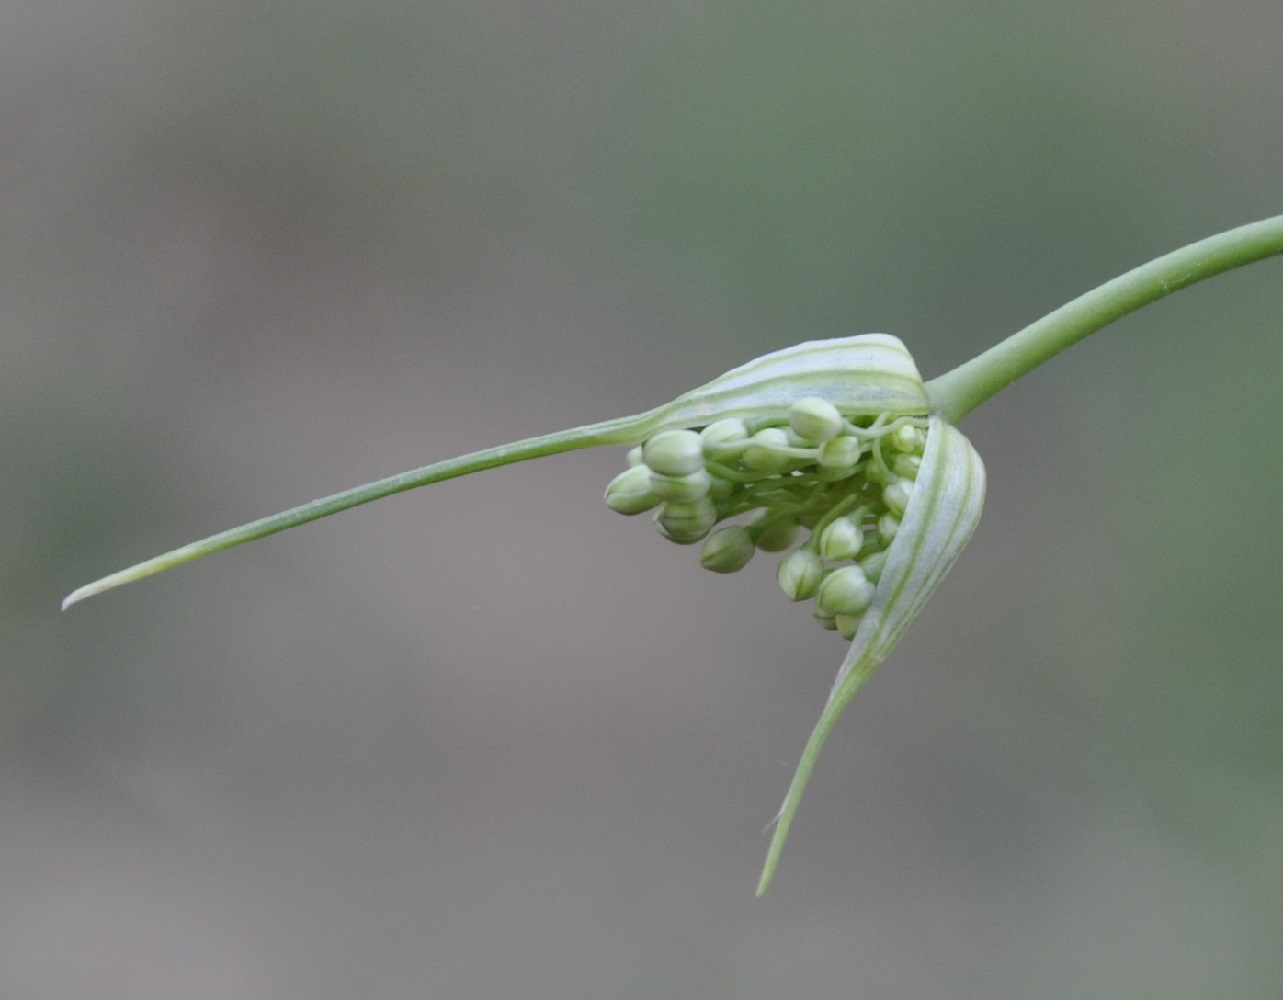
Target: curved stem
x,y
957,393
626,430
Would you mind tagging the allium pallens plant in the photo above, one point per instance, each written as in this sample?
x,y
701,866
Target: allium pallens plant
x,y
835,454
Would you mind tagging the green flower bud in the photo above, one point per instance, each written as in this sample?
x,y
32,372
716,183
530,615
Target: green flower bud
x,y
816,420
681,489
841,452
686,523
764,451
722,431
727,550
630,492
724,439
841,540
800,574
634,456
888,528
907,466
895,496
674,453
872,565
828,622
778,536
845,591
847,625
908,438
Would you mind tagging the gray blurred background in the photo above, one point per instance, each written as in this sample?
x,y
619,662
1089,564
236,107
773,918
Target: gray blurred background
x,y
492,740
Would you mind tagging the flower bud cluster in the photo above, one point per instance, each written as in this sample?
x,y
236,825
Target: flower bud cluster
x,y
827,489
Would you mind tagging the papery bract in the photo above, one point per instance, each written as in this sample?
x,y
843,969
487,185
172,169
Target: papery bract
x,y
943,511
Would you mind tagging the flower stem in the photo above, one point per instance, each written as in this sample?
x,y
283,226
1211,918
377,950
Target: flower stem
x,y
957,393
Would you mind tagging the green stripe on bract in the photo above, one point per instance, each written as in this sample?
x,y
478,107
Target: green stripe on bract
x,y
943,511
865,375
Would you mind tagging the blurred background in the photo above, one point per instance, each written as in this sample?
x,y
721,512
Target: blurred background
x,y
492,740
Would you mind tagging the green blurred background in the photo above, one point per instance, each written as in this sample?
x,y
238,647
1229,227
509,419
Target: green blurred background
x,y
490,739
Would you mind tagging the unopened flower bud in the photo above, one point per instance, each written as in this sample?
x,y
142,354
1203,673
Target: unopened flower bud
x,y
674,453
800,574
681,489
686,523
825,621
630,492
764,451
816,420
841,540
872,565
847,625
724,430
888,527
841,452
777,536
907,466
845,591
724,438
896,496
907,438
727,550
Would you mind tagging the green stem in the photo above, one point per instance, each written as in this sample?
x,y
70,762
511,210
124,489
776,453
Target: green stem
x,y
625,430
953,395
957,393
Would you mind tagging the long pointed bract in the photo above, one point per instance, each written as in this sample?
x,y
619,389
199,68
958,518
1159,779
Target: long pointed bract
x,y
627,430
942,514
874,370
